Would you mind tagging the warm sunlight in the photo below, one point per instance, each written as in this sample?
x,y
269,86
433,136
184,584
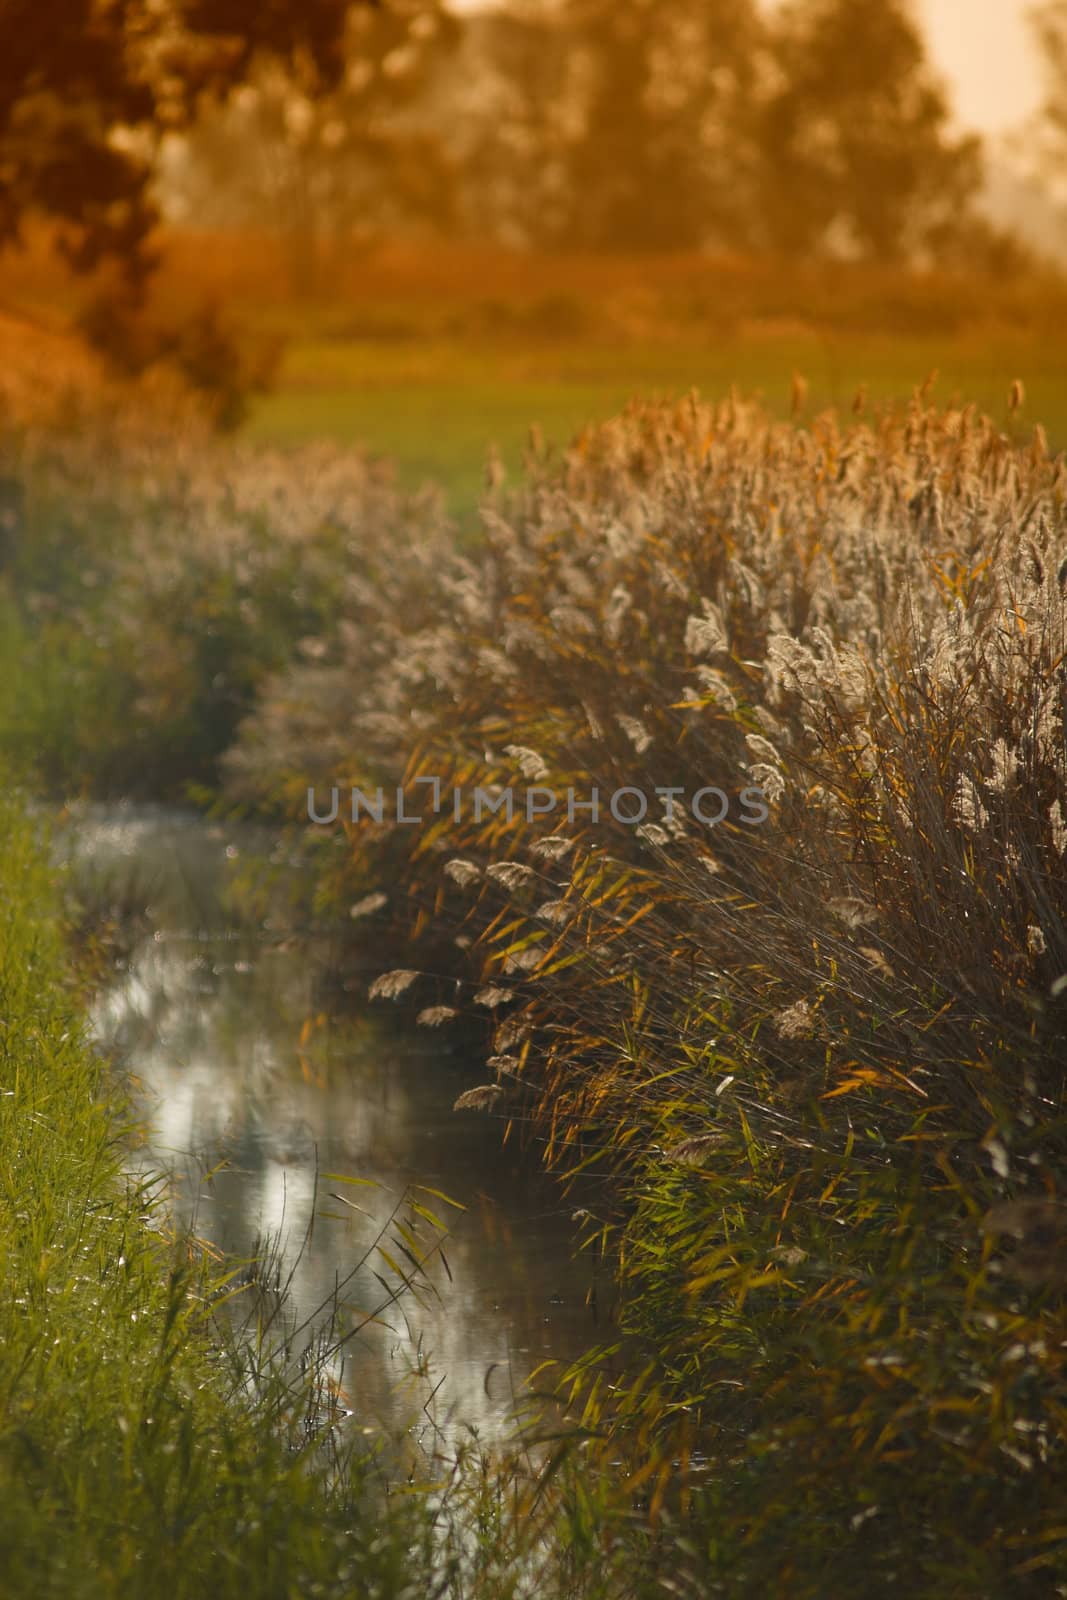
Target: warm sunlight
x,y
533,800
987,53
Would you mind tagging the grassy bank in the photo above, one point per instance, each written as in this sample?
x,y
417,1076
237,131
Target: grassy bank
x,y
150,1443
131,1459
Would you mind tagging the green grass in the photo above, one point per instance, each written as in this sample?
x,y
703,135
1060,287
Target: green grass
x,y
436,406
149,1446
135,1456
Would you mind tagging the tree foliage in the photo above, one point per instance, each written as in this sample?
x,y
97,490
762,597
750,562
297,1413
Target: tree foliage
x,y
613,124
626,125
1049,21
602,124
326,165
854,135
87,88
663,155
66,82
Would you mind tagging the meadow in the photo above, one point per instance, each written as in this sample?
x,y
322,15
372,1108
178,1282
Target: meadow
x,y
439,359
442,408
440,367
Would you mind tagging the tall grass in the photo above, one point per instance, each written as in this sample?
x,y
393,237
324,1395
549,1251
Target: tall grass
x,y
154,577
821,1059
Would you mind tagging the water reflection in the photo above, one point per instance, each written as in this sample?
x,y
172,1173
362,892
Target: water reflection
x,y
252,1097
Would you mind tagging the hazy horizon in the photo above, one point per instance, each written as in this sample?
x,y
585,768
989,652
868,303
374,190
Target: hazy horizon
x,y
983,48
986,52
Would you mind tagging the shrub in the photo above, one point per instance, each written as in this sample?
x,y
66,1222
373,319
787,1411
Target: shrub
x,y
156,577
221,366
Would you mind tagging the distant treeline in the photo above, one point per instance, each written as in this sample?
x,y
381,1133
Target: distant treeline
x,y
604,124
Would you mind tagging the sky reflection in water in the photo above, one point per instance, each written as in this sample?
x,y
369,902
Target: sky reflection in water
x,y
237,1069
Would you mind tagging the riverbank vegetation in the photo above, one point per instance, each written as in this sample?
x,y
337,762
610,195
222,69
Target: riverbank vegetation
x,y
822,1058
280,299
142,1448
156,1435
817,1061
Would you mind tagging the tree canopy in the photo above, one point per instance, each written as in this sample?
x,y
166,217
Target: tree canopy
x,y
854,134
86,89
628,124
1049,21
602,124
663,152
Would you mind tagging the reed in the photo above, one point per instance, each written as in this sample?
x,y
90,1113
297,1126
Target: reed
x,y
820,1061
817,1062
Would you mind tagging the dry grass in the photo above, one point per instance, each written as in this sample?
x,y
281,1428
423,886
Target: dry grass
x,y
431,281
813,1054
819,1061
156,575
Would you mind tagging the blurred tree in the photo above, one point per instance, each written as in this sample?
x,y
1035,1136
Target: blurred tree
x,y
88,86
613,124
511,112
1049,21
664,158
856,151
675,124
67,84
325,166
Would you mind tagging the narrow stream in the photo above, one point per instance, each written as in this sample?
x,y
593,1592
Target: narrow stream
x,y
252,1095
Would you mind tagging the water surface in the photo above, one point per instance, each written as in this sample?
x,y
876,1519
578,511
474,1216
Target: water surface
x,y
259,1103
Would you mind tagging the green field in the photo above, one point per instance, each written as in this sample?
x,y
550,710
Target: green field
x,y
437,406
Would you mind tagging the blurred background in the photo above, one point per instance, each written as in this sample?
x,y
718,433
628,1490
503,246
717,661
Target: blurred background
x,y
425,227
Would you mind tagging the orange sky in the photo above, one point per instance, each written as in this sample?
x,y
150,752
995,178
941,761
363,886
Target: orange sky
x,y
984,49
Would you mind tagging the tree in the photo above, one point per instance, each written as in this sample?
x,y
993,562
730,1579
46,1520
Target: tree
x,y
856,152
613,124
1049,22
664,155
88,87
323,166
507,108
67,83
